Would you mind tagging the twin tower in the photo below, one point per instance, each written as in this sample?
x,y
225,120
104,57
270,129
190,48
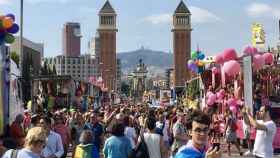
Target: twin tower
x,y
181,44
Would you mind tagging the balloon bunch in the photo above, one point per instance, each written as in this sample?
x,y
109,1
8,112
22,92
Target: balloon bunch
x,y
196,64
259,60
8,27
229,59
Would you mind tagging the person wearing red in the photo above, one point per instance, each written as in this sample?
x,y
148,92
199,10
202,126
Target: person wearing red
x,y
26,120
64,132
17,131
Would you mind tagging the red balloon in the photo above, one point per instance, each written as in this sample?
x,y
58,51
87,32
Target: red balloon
x,y
229,54
268,58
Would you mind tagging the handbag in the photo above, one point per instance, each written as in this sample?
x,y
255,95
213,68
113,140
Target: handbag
x,y
141,151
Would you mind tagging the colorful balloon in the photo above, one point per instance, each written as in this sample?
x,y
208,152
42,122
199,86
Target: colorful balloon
x,y
13,29
232,68
9,38
12,16
194,55
202,56
7,22
190,62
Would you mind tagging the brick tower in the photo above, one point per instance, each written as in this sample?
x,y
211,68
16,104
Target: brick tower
x,y
181,44
107,32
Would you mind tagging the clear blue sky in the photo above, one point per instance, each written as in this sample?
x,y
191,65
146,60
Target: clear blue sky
x,y
217,24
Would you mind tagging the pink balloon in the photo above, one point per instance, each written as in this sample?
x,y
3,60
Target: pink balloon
x,y
210,102
229,54
258,61
250,50
232,102
268,58
211,99
208,94
218,59
232,68
222,91
213,96
233,109
219,95
215,70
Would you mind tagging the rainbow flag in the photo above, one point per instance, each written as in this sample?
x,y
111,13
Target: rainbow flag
x,y
86,151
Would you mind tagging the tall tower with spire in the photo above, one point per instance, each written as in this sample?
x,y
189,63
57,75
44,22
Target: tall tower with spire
x,y
107,33
181,44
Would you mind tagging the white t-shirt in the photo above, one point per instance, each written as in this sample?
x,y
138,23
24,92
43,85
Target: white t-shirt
x,y
263,143
130,133
245,126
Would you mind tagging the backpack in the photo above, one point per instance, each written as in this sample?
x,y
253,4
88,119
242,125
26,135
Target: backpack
x,y
141,150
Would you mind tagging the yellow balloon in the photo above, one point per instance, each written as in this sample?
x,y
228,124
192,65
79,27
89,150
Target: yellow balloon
x,y
200,63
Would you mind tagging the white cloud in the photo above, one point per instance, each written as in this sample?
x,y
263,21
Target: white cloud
x,y
159,19
262,10
199,15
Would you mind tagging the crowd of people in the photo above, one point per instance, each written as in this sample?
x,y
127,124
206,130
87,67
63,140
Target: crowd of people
x,y
133,131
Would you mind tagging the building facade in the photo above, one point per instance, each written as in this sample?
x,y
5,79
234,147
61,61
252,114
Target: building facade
x,y
79,68
107,33
31,62
71,39
119,75
181,44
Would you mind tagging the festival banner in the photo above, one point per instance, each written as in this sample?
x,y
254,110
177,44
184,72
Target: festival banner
x,y
248,92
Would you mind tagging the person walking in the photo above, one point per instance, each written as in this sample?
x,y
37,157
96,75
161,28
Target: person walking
x,y
266,130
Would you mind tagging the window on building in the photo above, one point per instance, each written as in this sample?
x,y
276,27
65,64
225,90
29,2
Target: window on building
x,y
74,61
79,61
68,66
63,60
68,71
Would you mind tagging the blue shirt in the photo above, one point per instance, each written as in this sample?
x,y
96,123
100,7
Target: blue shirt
x,y
22,153
189,151
97,131
117,147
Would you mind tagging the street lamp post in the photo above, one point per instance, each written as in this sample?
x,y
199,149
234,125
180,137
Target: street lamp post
x,y
21,45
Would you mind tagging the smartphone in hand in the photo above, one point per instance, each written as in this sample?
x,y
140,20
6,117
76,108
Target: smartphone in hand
x,y
216,145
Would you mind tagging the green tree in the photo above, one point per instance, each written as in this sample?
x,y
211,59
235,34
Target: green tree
x,y
15,57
